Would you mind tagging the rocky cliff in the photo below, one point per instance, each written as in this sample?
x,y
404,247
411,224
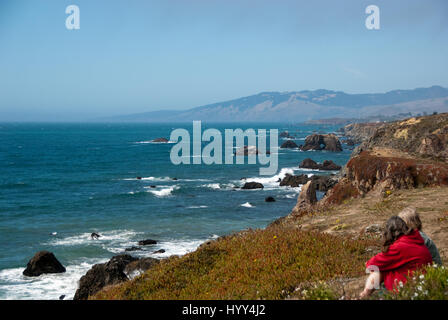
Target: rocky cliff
x,y
424,137
398,155
404,154
359,132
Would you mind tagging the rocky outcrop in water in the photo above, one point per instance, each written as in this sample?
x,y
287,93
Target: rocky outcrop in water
x,y
321,183
285,134
309,163
289,144
119,269
252,185
133,248
294,181
327,142
103,274
43,262
147,242
326,165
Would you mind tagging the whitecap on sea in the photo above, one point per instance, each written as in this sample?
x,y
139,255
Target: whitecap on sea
x,y
212,186
111,238
270,182
149,179
247,205
216,186
164,192
154,142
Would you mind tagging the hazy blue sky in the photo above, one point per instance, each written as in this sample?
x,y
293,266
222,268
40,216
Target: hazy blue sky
x,y
136,56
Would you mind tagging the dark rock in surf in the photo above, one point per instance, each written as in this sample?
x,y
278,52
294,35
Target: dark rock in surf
x,y
294,181
147,242
328,142
43,262
95,235
309,164
252,185
285,134
269,199
103,274
329,165
321,183
326,165
133,249
289,145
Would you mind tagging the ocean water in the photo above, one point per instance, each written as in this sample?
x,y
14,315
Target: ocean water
x,y
61,182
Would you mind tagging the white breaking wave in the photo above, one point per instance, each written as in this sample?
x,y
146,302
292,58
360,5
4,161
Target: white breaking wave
x,y
271,182
216,186
150,179
194,180
106,238
163,192
178,247
152,142
293,195
197,207
44,287
317,170
212,185
247,205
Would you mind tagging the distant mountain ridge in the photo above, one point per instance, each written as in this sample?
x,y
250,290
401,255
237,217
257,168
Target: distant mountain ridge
x,y
305,105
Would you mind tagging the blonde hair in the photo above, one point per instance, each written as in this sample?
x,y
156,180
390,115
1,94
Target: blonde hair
x,y
411,217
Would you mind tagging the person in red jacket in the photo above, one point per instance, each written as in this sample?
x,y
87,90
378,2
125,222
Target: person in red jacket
x,y
404,251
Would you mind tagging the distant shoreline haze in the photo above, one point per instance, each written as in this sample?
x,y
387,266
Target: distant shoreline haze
x,y
291,106
300,106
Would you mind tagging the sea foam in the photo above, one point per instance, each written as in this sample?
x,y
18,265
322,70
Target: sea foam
x,y
165,192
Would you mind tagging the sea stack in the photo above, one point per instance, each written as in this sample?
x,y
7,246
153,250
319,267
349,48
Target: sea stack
x,y
327,142
43,262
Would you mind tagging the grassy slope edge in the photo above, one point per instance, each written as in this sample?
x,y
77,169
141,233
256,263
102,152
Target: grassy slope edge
x,y
254,264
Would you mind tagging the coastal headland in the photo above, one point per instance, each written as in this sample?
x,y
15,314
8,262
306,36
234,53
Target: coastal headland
x,y
318,251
